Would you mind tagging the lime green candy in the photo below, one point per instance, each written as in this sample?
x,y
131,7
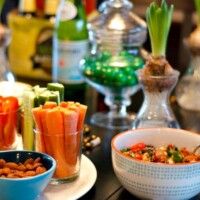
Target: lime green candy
x,y
116,71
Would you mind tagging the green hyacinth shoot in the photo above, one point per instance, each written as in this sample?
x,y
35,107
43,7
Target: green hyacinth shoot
x,y
159,21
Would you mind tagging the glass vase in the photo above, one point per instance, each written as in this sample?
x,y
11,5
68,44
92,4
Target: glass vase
x,y
187,91
155,110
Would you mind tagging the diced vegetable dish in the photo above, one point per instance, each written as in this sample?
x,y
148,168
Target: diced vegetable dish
x,y
169,154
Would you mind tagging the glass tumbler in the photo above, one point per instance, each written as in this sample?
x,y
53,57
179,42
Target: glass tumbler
x,y
8,130
65,149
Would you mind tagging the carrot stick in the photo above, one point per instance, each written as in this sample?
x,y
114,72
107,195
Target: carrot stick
x,y
37,116
49,104
44,134
66,104
83,110
54,121
70,129
63,104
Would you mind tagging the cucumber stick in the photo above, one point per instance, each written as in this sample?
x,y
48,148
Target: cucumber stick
x,y
28,123
34,98
57,87
48,96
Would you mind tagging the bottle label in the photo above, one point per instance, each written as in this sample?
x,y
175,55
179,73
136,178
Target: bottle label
x,y
68,59
68,11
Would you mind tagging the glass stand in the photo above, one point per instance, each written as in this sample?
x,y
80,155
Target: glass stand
x,y
156,110
117,99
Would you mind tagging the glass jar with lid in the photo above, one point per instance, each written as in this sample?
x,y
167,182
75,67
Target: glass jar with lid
x,y
116,36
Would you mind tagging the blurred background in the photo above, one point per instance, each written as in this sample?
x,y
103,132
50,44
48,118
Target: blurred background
x,y
183,23
178,55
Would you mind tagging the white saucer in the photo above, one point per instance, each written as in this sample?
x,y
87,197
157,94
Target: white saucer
x,y
76,189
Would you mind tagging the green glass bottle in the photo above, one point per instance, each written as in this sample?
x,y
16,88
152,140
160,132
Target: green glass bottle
x,y
70,45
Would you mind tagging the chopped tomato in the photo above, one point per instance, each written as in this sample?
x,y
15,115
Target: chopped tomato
x,y
138,147
138,156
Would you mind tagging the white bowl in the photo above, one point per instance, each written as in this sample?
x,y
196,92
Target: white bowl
x,y
156,180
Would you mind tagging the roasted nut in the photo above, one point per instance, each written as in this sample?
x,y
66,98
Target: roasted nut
x,y
19,174
37,165
11,165
30,173
40,170
29,168
12,175
29,161
21,167
6,171
2,163
37,160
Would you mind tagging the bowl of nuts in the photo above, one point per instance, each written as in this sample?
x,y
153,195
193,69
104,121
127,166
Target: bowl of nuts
x,y
24,174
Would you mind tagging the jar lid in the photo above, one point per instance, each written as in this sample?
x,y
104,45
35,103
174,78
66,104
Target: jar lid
x,y
116,22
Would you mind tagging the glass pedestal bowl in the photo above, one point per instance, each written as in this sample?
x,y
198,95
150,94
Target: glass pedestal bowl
x,y
115,77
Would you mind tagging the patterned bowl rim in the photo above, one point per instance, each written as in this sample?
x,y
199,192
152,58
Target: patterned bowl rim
x,y
114,148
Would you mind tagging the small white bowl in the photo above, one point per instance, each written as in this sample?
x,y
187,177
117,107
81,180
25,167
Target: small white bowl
x,y
156,180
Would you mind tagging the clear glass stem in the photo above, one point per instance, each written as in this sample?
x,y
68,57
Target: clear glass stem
x,y
117,104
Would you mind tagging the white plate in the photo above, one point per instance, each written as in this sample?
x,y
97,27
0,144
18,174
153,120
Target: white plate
x,y
76,189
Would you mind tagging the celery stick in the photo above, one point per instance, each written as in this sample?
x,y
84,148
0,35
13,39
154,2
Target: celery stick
x,y
28,123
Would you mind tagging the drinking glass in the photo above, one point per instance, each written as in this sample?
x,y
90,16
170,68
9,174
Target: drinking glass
x,y
65,149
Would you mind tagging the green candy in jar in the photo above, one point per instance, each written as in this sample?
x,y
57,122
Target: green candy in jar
x,y
138,62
